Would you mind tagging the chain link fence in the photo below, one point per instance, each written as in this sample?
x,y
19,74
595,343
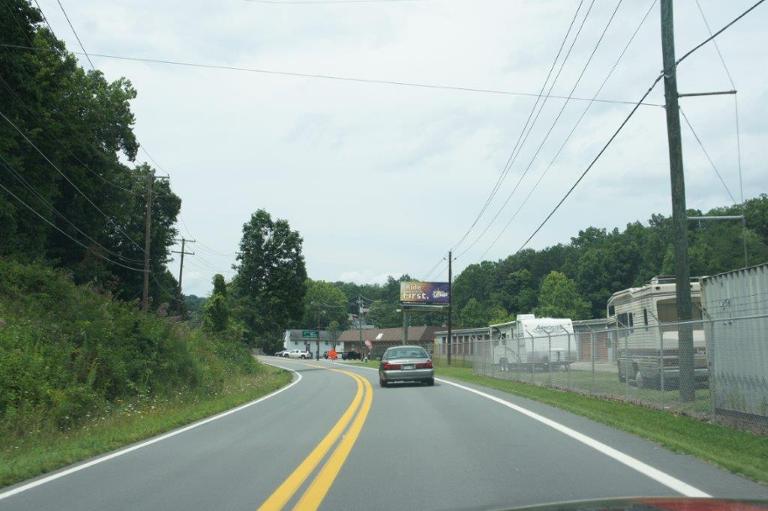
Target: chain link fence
x,y
640,364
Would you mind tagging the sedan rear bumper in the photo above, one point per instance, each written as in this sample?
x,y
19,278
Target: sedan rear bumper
x,y
407,375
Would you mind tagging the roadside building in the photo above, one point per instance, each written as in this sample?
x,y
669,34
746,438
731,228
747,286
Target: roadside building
x,y
595,340
383,338
465,343
306,340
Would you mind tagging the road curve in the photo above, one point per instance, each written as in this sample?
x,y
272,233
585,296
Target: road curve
x,y
419,447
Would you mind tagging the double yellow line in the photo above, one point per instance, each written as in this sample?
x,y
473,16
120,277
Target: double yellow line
x,y
318,488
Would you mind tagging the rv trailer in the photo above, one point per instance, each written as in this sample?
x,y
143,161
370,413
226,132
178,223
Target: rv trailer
x,y
644,319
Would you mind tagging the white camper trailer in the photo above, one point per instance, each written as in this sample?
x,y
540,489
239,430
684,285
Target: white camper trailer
x,y
647,337
533,342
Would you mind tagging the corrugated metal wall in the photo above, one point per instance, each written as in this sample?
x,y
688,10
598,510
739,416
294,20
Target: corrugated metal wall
x,y
736,317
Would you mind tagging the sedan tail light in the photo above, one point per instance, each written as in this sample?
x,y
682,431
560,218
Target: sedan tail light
x,y
388,366
425,365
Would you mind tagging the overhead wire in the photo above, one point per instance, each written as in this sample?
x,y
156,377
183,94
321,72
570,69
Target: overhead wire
x,y
77,188
369,81
512,155
323,2
552,125
66,16
706,153
735,100
141,145
44,219
573,129
53,209
628,117
62,144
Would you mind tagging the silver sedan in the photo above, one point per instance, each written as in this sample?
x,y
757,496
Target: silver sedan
x,y
406,363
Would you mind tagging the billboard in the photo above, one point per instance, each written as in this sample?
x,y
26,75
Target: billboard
x,y
424,293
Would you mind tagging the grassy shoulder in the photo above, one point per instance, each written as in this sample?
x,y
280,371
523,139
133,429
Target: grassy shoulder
x,y
737,451
82,373
134,420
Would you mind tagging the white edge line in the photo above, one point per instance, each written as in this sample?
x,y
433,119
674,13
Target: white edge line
x,y
102,459
633,463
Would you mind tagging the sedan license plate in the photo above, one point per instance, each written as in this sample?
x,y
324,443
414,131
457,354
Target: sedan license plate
x,y
408,366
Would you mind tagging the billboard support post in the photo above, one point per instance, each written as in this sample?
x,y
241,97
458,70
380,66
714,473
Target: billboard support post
x,y
405,326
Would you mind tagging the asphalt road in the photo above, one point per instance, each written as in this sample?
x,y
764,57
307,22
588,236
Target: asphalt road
x,y
333,440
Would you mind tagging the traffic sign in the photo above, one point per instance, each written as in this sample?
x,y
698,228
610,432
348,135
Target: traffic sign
x,y
310,334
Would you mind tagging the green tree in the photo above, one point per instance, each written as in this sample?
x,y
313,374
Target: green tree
x,y
270,282
498,314
216,308
86,185
384,314
559,298
324,303
219,285
473,314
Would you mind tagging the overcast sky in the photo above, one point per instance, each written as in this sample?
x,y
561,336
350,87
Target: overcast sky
x,y
383,179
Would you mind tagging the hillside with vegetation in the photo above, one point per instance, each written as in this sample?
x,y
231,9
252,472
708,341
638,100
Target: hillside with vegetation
x,y
83,369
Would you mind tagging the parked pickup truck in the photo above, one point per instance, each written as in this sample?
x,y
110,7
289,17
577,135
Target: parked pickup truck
x,y
298,354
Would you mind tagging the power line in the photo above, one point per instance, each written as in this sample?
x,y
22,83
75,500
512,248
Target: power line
x,y
326,76
552,126
713,36
631,113
735,102
45,18
109,219
704,150
64,145
33,210
592,163
75,32
510,161
573,129
322,2
93,67
50,206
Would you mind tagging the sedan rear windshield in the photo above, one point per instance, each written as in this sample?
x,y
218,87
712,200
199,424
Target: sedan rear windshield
x,y
406,353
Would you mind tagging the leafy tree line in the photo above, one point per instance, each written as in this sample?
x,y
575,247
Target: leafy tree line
x,y
576,279
64,135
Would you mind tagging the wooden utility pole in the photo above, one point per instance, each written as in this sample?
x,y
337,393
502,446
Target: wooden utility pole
x,y
450,303
679,219
360,321
181,263
147,239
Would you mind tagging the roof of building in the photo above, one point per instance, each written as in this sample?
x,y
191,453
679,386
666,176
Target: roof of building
x,y
463,331
415,334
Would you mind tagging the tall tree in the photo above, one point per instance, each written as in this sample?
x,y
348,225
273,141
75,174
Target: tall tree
x,y
216,308
271,278
324,303
560,299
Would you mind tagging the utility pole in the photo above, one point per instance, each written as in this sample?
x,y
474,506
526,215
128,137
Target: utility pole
x,y
184,241
360,320
450,303
679,219
147,239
